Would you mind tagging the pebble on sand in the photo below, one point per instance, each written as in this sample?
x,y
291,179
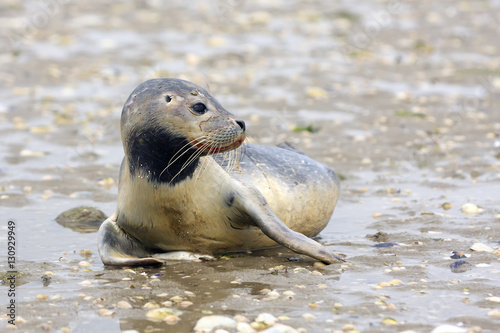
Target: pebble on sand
x,y
494,313
348,328
244,328
280,328
150,305
162,313
495,299
106,313
448,329
123,305
84,264
471,209
308,316
209,323
85,283
389,321
480,247
266,318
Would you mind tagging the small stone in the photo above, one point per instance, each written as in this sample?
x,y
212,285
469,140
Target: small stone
x,y
85,283
266,318
447,206
106,313
483,265
41,296
150,305
216,41
389,321
244,328
208,323
172,319
448,329
185,304
280,328
495,299
240,319
301,270
308,316
480,247
494,313
313,305
288,293
348,328
177,299
471,209
316,93
81,215
395,282
123,305
162,313
84,264
46,326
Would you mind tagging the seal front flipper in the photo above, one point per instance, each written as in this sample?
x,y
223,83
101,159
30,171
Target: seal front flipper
x,y
258,211
119,249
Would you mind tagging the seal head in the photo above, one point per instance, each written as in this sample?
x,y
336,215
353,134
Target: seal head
x,y
167,125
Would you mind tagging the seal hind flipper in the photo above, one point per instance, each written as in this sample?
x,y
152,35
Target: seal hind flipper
x,y
119,249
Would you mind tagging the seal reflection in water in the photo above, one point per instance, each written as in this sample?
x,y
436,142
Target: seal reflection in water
x,y
186,184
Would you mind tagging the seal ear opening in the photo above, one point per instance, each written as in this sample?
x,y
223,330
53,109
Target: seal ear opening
x,y
168,98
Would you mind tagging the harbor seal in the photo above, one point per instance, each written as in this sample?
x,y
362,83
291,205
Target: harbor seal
x,y
188,184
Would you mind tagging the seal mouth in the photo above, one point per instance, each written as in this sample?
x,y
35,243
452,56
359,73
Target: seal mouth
x,y
209,150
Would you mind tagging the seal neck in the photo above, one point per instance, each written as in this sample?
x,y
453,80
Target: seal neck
x,y
160,156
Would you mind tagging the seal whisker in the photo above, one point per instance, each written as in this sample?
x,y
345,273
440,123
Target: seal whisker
x,y
172,160
199,140
191,159
196,154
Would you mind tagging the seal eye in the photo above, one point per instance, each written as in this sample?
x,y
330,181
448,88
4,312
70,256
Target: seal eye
x,y
168,98
199,108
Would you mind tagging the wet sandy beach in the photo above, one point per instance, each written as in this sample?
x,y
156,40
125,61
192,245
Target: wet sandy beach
x,y
400,98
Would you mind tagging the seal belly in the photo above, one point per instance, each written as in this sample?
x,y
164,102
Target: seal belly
x,y
300,191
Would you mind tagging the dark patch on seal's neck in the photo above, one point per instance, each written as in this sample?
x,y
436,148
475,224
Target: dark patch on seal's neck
x,y
151,150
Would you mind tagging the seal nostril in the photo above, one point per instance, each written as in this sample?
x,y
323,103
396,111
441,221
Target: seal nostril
x,y
241,124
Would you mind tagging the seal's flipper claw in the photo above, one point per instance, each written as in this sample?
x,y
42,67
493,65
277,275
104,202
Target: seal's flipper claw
x,y
118,249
